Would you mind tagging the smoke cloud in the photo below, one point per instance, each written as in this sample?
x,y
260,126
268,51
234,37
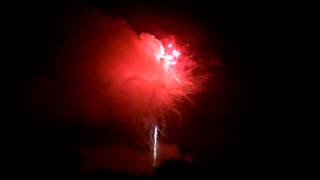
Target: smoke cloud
x,y
104,70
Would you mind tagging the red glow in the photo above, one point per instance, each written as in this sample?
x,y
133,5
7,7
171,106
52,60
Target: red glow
x,y
107,72
115,74
148,78
151,78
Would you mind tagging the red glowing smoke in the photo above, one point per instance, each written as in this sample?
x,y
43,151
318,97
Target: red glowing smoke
x,y
150,80
105,71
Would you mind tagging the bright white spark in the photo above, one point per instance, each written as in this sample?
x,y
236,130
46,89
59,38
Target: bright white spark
x,y
176,53
155,144
167,57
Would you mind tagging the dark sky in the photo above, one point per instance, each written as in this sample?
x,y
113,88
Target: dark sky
x,y
219,132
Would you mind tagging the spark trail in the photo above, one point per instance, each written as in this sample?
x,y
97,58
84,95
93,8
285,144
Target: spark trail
x,y
155,145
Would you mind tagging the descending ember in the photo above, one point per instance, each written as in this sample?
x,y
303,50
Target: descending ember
x,y
155,144
167,57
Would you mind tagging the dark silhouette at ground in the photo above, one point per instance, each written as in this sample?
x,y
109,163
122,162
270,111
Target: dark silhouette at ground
x,y
168,169
176,169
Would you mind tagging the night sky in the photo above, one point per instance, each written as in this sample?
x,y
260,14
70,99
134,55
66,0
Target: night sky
x,y
218,134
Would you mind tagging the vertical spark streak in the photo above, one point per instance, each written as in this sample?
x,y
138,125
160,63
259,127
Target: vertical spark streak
x,y
155,145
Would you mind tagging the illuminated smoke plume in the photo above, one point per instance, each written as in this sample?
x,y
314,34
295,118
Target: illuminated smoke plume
x,y
105,71
151,81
